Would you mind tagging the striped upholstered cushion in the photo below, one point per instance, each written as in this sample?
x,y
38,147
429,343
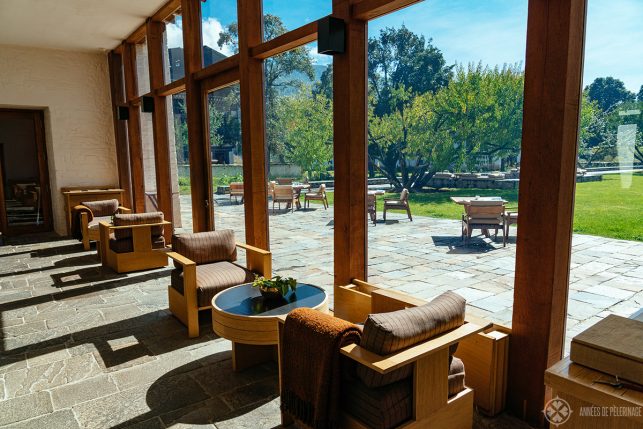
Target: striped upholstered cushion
x,y
387,333
102,207
137,219
212,279
206,247
388,406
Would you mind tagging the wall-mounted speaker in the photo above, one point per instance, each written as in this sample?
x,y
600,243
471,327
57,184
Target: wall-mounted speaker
x,y
148,104
122,113
331,36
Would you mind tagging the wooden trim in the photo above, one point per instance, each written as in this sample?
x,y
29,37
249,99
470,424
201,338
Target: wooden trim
x,y
137,35
159,123
290,40
553,77
222,66
221,80
199,148
370,9
171,88
167,10
350,150
117,90
253,125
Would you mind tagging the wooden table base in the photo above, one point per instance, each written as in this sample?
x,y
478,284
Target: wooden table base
x,y
248,355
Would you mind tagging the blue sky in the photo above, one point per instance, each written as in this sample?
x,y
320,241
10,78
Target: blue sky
x,y
491,31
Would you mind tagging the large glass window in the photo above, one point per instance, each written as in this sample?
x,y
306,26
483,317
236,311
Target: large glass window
x,y
173,57
149,166
445,123
281,16
219,30
606,264
179,162
142,68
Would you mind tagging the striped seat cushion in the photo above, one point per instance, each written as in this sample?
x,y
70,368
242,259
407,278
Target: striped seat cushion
x,y
212,279
387,333
206,247
102,207
93,224
388,406
137,219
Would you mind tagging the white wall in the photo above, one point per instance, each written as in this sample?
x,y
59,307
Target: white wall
x,y
73,90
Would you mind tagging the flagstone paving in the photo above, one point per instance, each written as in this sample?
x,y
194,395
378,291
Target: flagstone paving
x,y
83,347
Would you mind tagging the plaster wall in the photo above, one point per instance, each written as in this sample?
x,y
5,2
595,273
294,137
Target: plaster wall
x,y
73,90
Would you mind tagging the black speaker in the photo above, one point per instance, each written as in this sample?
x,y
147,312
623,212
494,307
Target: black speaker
x,y
122,113
331,36
148,104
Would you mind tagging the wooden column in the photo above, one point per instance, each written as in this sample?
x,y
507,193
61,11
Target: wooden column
x,y
553,71
159,122
200,183
350,149
253,125
134,128
117,89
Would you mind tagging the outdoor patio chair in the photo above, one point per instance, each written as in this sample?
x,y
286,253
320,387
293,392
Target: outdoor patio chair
x,y
398,204
371,207
284,181
236,191
284,194
88,215
484,215
271,188
511,218
320,195
204,266
399,375
134,242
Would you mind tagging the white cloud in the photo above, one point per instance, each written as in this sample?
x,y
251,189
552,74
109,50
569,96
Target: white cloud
x,y
211,33
316,57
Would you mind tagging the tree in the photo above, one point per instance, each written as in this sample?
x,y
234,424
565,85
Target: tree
x,y
325,84
608,92
307,124
596,138
639,97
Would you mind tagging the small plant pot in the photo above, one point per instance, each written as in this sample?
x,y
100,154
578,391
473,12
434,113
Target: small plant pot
x,y
271,294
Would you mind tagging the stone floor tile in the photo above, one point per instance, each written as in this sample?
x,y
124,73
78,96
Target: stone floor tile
x,y
25,407
71,394
58,419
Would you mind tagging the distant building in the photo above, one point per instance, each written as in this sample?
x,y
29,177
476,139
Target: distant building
x,y
175,60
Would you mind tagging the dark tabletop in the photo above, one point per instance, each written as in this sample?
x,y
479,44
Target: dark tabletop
x,y
245,300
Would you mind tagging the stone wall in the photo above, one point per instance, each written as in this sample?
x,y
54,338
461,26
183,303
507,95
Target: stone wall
x,y
72,88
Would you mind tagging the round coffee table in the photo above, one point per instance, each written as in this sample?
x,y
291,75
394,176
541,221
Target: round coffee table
x,y
241,315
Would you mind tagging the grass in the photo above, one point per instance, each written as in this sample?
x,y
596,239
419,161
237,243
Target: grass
x,y
602,208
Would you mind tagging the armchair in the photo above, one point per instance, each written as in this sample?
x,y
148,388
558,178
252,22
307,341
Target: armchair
x,y
205,265
398,204
236,191
87,216
320,195
284,194
484,215
404,375
133,242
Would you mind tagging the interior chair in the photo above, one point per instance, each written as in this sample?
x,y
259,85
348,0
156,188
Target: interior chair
x,y
484,215
320,195
284,194
87,216
404,372
204,266
133,242
371,207
511,218
398,204
236,191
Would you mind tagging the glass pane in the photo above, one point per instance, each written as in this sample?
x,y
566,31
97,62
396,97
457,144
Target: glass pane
x,y
445,123
149,166
606,264
299,130
179,162
173,49
142,68
224,125
219,30
281,16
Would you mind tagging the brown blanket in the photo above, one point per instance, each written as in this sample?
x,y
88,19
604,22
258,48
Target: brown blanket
x,y
310,365
76,230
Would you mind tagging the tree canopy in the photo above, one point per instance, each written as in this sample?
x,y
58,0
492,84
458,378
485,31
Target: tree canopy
x,y
608,92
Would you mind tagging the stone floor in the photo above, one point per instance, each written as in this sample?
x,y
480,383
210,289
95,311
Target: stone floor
x,y
87,348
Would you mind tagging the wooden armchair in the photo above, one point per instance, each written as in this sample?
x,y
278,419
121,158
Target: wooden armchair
x,y
284,180
435,400
284,194
87,216
320,195
398,204
511,218
205,265
484,215
133,242
236,191
371,207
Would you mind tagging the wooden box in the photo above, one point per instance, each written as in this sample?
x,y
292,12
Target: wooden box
x,y
614,346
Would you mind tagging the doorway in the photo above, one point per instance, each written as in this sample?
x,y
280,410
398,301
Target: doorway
x,y
25,200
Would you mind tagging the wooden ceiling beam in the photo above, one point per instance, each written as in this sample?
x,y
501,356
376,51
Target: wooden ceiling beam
x,y
287,41
171,88
370,9
167,10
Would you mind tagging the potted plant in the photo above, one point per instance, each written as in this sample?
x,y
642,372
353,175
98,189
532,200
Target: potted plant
x,y
276,287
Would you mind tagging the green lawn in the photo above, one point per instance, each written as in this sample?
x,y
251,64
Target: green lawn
x,y
602,208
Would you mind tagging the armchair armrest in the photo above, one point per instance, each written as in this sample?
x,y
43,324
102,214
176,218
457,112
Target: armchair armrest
x,y
258,260
386,364
182,260
123,210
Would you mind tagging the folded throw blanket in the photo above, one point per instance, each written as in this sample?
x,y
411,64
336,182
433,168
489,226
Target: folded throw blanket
x,y
76,230
310,363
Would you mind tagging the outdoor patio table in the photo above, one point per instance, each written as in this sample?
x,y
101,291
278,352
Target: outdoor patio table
x,y
297,188
375,192
466,200
241,315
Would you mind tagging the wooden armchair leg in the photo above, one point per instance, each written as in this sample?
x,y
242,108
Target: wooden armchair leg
x,y
193,322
